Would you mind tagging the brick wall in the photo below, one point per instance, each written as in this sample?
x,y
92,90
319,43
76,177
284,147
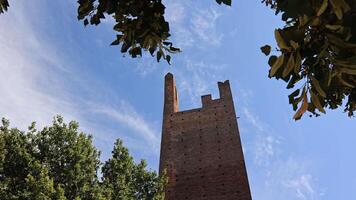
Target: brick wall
x,y
201,148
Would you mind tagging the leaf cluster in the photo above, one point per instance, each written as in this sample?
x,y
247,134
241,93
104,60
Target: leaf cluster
x,y
140,25
125,179
317,54
61,163
4,4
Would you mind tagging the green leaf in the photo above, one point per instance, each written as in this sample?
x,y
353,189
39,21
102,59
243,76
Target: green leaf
x,y
173,49
227,2
295,45
345,83
280,41
322,8
4,4
333,27
272,60
159,56
316,102
117,41
336,40
348,71
317,87
340,7
266,49
295,78
298,63
292,96
276,65
168,58
302,108
290,66
303,20
124,47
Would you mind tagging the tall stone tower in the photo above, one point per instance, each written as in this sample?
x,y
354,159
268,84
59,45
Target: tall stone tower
x,y
201,148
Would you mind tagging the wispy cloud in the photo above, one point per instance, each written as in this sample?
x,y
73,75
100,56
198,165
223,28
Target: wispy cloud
x,y
193,27
127,116
204,26
265,150
253,119
288,178
146,65
303,187
26,62
37,83
197,78
280,174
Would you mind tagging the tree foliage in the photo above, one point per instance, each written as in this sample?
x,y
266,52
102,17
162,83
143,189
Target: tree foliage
x,y
317,53
140,25
126,180
61,163
4,4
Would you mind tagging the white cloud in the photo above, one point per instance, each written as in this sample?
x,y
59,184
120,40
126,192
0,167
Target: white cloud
x,y
253,119
264,149
176,13
278,174
204,26
192,26
25,63
288,178
303,187
146,64
126,115
36,84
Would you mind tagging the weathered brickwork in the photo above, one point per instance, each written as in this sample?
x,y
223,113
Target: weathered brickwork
x,y
201,148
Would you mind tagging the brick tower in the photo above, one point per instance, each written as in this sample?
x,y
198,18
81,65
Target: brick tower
x,y
201,148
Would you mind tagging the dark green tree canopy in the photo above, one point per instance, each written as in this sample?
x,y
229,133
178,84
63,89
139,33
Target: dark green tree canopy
x,y
60,163
317,53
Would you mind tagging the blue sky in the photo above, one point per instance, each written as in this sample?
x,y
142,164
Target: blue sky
x,y
50,64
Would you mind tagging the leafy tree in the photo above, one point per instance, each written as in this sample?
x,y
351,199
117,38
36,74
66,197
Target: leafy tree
x,y
317,45
61,163
317,53
70,156
16,162
127,180
39,185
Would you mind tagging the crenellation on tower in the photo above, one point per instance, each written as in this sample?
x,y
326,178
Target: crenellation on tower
x,y
206,100
170,95
224,90
201,148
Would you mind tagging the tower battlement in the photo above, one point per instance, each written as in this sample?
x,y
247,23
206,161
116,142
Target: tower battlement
x,y
201,148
